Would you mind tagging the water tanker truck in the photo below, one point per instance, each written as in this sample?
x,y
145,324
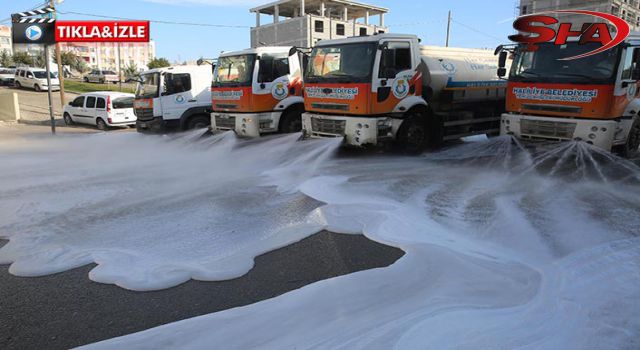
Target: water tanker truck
x,y
388,88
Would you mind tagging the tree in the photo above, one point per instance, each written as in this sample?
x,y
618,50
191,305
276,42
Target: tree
x,y
158,63
74,61
131,70
22,58
5,59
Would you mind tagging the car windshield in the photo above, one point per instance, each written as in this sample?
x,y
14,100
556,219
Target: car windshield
x,y
149,86
546,64
346,63
43,75
235,70
123,102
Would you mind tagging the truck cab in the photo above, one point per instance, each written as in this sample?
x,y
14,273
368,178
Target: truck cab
x,y
389,88
258,91
173,99
593,99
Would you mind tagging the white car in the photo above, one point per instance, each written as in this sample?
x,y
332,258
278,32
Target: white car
x,y
7,76
36,78
102,76
102,109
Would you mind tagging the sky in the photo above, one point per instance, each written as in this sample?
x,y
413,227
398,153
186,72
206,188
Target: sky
x,y
475,23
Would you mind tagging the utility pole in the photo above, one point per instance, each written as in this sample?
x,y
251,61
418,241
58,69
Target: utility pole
x,y
47,57
58,59
448,29
119,68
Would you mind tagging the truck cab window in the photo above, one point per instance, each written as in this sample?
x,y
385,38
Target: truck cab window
x,y
630,63
272,68
177,83
395,58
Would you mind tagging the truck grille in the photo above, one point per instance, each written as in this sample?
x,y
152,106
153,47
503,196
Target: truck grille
x,y
328,126
545,128
225,123
552,108
330,106
143,113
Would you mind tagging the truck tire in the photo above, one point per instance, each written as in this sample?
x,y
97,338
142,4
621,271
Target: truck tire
x,y
291,121
631,148
198,122
413,135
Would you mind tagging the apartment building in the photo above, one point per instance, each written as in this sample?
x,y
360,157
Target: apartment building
x,y
105,55
629,10
304,22
5,39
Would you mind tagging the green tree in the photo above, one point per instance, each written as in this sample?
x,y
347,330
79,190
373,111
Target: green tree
x,y
5,59
131,70
158,63
23,58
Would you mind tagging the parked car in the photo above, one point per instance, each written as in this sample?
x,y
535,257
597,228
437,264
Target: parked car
x,y
35,78
7,76
102,76
102,109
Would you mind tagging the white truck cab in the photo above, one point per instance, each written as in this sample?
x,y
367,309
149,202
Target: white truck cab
x,y
173,99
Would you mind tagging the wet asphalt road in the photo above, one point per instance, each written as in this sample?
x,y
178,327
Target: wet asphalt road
x,y
68,310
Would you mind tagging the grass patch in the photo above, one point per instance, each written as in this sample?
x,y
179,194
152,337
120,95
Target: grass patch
x,y
82,87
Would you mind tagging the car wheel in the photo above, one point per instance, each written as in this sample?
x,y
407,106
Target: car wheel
x,y
101,81
67,119
17,85
37,88
198,122
291,121
86,80
102,125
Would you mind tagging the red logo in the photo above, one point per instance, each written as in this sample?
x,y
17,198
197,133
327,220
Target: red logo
x,y
102,31
590,32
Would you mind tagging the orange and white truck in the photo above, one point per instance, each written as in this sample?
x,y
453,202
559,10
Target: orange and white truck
x,y
389,88
594,99
258,91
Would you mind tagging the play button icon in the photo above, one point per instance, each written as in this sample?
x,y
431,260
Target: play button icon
x,y
34,33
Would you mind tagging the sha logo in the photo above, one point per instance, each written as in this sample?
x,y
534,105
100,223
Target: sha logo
x,y
180,99
279,91
33,33
400,88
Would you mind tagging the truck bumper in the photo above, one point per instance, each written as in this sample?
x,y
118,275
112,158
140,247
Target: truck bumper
x,y
246,124
357,131
599,133
157,125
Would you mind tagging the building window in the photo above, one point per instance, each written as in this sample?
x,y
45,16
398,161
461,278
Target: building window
x,y
340,29
363,31
524,9
319,26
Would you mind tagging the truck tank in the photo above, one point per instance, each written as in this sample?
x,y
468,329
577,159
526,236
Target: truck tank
x,y
460,75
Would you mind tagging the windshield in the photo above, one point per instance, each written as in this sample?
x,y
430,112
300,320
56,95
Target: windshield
x,y
545,64
149,87
235,70
43,75
349,63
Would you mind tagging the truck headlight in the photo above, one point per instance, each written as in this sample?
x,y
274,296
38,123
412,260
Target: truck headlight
x,y
594,129
593,136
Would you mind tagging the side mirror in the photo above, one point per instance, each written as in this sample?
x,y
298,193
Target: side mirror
x,y
635,75
502,63
293,51
502,72
71,103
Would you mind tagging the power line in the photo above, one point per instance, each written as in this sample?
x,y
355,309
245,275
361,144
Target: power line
x,y
477,31
34,7
157,21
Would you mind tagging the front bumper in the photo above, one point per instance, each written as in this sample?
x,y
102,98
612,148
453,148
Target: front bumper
x,y
599,133
245,124
156,125
357,131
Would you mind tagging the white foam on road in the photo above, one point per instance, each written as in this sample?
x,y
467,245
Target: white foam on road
x,y
504,249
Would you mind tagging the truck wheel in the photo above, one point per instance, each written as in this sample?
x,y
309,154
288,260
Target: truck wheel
x,y
67,119
291,121
631,148
102,125
412,135
198,122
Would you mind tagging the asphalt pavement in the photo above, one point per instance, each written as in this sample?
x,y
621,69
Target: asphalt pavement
x,y
67,309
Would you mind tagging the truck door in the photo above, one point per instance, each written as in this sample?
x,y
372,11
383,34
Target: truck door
x,y
393,74
177,96
271,81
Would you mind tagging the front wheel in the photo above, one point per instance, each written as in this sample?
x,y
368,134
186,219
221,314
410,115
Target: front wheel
x,y
17,85
631,149
37,88
102,125
67,119
198,122
412,135
291,121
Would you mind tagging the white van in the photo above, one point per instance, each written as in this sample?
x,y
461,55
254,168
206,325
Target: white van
x,y
102,109
36,78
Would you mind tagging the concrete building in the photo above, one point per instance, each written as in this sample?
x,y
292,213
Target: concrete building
x,y
5,39
105,55
304,22
629,10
